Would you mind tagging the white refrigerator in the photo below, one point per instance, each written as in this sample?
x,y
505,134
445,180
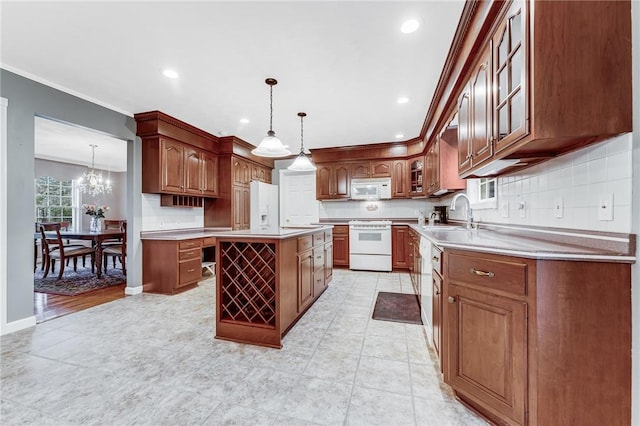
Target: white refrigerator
x,y
264,206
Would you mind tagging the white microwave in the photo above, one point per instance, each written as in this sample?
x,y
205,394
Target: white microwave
x,y
371,189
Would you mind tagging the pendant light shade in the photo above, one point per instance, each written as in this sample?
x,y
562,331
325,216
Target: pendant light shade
x,y
302,162
271,146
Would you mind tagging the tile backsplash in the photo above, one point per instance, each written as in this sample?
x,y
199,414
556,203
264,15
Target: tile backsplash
x,y
158,218
579,179
371,210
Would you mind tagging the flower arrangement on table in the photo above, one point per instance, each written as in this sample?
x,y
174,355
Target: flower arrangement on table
x,y
95,210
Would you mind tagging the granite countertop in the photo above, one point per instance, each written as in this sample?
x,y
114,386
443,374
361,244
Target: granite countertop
x,y
187,234
536,244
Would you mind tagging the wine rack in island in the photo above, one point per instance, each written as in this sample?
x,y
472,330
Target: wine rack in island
x,y
265,283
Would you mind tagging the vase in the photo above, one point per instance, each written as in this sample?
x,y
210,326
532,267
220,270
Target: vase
x,y
96,224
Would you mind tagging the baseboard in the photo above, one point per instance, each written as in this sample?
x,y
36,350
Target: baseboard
x,y
132,291
18,325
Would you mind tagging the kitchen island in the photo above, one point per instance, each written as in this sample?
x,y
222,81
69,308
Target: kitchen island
x,y
266,280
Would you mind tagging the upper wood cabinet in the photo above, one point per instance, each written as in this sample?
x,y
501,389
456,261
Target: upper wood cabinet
x,y
511,94
441,173
333,181
474,109
171,167
542,84
399,187
371,169
416,176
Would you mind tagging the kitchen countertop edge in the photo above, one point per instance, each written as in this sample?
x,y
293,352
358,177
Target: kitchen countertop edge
x,y
187,234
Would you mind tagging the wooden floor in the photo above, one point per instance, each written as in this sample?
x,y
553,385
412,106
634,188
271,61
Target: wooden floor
x,y
49,306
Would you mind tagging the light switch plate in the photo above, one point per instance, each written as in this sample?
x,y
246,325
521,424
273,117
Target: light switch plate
x,y
504,209
605,207
558,207
522,207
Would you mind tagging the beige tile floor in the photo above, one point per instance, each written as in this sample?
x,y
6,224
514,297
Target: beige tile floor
x,y
152,360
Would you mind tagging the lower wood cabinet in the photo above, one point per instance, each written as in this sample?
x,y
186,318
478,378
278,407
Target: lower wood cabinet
x,y
314,272
400,247
536,342
341,245
168,266
436,311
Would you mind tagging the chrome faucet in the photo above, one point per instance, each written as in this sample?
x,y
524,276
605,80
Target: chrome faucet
x,y
469,224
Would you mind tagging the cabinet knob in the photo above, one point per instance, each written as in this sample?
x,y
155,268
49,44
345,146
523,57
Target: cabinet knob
x,y
437,292
451,299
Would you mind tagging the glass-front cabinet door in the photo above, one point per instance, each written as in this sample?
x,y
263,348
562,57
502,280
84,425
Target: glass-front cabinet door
x,y
511,98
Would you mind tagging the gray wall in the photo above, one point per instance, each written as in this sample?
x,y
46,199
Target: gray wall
x,y
26,100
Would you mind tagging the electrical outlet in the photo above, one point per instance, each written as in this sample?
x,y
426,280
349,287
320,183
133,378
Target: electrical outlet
x,y
504,209
522,207
558,207
605,207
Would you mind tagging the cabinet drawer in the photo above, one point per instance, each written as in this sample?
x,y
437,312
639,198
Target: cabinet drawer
x,y
305,243
190,271
195,253
318,258
189,244
341,229
318,238
504,275
209,241
328,235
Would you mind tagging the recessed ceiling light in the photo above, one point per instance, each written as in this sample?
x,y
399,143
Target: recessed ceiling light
x,y
409,26
399,136
403,100
244,120
170,73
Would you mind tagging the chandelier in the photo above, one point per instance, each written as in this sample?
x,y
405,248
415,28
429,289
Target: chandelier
x,y
302,162
91,181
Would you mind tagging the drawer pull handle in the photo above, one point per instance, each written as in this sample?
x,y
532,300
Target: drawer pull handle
x,y
475,271
318,257
190,270
451,299
437,292
435,259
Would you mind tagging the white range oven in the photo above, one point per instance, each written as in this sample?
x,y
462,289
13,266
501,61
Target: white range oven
x,y
370,245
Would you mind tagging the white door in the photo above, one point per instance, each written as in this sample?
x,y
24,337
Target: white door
x,y
298,204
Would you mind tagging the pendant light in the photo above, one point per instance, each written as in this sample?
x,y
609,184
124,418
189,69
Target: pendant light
x,y
302,162
271,145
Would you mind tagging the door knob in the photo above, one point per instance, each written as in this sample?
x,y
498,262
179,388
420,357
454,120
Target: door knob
x,y
451,299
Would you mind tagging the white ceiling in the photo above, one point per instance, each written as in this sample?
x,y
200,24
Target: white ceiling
x,y
343,63
66,143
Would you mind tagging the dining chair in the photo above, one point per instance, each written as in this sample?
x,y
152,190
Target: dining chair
x,y
63,226
112,224
117,251
55,249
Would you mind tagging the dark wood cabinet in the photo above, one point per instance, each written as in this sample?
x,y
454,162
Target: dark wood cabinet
x,y
371,169
399,247
487,349
416,176
381,168
515,332
171,167
415,259
528,96
341,245
360,170
181,264
333,181
232,208
305,279
474,109
399,179
511,95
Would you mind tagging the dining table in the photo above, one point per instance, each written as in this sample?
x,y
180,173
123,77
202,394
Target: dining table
x,y
97,238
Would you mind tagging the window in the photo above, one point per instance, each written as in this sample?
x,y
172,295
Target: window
x,y
483,193
54,200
